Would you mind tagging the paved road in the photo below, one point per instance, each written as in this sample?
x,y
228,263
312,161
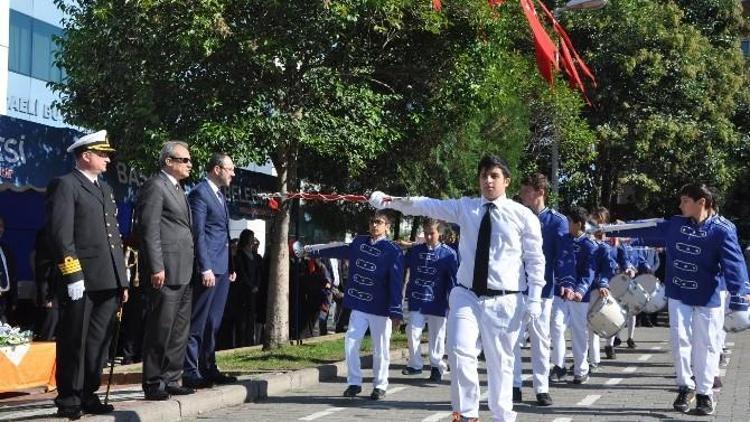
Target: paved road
x,y
637,386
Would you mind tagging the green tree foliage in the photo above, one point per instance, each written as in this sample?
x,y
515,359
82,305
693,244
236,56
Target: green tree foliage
x,y
671,80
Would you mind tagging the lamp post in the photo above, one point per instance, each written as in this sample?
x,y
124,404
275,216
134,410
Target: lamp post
x,y
572,5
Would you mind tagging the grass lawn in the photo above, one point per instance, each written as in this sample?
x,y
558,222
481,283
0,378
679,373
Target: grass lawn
x,y
296,357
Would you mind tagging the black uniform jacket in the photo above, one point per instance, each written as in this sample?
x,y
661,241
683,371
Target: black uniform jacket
x,y
84,233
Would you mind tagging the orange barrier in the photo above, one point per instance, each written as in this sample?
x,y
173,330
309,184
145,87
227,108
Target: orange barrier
x,y
27,366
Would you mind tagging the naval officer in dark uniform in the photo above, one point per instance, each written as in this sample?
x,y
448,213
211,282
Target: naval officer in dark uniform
x,y
87,247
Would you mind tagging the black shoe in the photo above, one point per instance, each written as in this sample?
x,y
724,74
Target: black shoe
x,y
435,375
352,391
156,395
609,351
704,406
631,343
517,397
377,394
543,399
557,374
72,413
581,379
176,390
685,397
196,383
617,341
94,406
593,368
723,360
717,383
411,371
219,378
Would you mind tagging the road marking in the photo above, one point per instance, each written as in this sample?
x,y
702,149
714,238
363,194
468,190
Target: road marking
x,y
613,381
525,377
589,400
437,417
630,369
729,344
396,389
723,372
562,420
644,358
655,348
322,413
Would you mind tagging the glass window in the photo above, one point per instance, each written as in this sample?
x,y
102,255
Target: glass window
x,y
32,48
19,52
745,44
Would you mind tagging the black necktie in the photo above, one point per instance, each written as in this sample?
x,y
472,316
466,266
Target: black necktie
x,y
482,257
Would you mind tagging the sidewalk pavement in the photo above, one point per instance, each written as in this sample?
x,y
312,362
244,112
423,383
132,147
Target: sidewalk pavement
x,y
130,406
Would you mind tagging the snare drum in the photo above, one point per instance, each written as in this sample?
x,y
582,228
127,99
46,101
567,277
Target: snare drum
x,y
635,299
649,283
606,317
657,301
618,285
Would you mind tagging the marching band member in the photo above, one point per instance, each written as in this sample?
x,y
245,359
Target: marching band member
x,y
701,247
580,266
606,268
534,189
373,293
500,241
432,274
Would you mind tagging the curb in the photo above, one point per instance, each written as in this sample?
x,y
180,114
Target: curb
x,y
244,391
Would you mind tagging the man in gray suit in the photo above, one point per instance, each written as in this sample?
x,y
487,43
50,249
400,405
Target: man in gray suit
x,y
167,249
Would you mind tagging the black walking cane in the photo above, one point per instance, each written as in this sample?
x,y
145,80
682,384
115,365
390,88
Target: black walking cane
x,y
118,322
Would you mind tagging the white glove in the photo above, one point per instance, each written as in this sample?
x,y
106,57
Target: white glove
x,y
75,290
533,309
377,200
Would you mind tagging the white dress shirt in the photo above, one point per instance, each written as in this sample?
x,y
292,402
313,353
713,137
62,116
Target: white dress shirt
x,y
516,257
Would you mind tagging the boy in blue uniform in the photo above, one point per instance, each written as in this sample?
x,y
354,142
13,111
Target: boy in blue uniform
x,y
373,293
606,268
533,191
432,274
701,248
578,277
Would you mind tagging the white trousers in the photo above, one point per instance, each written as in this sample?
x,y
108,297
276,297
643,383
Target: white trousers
x,y
695,349
579,329
435,344
630,323
722,335
497,321
380,332
538,330
559,321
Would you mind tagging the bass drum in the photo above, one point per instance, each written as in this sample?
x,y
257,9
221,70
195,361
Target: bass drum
x,y
736,321
618,285
635,299
657,301
606,317
648,282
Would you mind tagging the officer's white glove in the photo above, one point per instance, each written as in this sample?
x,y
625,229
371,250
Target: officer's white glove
x,y
75,290
533,309
377,199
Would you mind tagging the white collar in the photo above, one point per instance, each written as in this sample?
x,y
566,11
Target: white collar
x,y
170,177
213,186
87,175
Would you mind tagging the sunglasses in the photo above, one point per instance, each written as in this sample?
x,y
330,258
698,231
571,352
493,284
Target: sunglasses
x,y
183,160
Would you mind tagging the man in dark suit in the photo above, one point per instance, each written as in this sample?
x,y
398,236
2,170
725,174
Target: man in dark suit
x,y
7,277
86,241
211,228
167,266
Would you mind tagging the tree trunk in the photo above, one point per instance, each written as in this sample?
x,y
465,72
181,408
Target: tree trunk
x,y
277,317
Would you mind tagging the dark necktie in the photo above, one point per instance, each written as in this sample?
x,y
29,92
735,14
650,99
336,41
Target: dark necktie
x,y
482,256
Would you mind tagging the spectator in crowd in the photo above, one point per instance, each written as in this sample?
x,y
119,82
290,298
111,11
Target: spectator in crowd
x,y
165,230
7,277
47,278
134,314
242,304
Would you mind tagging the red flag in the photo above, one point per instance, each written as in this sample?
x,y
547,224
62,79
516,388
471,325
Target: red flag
x,y
576,58
437,5
273,204
546,51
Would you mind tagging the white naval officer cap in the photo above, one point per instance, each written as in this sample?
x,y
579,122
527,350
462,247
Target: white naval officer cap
x,y
97,141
